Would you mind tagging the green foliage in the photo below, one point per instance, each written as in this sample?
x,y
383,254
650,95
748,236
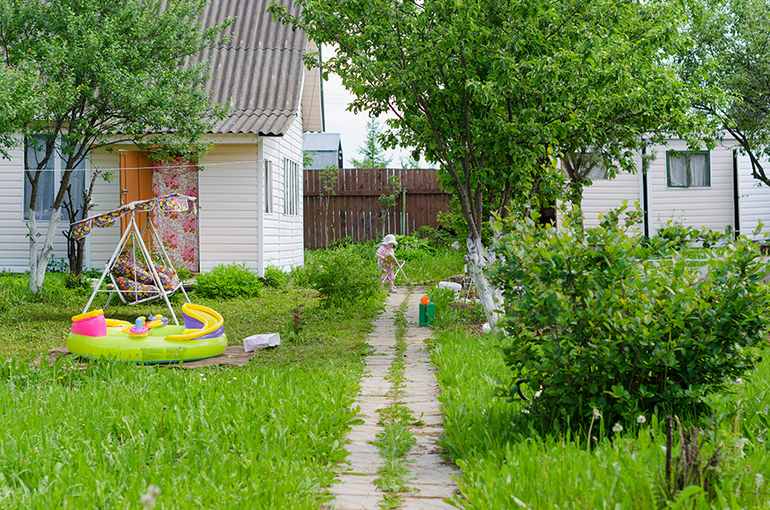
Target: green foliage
x,y
727,61
275,278
506,454
105,72
389,197
492,104
437,237
184,274
624,325
344,276
235,280
57,266
307,158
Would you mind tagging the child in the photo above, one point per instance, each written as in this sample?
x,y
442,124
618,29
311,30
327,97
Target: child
x,y
386,259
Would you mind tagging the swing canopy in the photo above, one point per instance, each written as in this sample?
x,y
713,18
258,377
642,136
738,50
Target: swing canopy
x,y
167,203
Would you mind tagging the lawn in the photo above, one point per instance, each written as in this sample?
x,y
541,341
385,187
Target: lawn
x,y
264,436
268,435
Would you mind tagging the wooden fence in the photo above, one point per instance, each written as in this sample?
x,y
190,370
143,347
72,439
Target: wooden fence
x,y
349,205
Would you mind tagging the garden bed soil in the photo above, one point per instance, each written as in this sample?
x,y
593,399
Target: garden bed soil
x,y
234,356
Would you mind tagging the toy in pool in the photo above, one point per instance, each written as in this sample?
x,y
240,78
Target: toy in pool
x,y
150,341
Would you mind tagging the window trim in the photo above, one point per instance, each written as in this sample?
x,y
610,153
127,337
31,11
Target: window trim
x,y
57,171
291,187
687,154
268,190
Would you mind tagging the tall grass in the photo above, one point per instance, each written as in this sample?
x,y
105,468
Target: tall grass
x,y
508,463
217,438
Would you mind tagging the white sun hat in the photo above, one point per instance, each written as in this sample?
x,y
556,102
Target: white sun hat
x,y
390,238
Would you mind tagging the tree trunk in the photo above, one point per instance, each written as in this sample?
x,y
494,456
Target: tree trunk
x,y
491,298
39,257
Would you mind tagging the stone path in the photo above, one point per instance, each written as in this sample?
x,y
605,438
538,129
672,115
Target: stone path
x,y
431,474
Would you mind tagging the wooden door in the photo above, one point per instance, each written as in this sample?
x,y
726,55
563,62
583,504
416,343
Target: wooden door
x,y
135,183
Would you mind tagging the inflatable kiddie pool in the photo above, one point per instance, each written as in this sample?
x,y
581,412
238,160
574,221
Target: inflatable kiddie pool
x,y
149,341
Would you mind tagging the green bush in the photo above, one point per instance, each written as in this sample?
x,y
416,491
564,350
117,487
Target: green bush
x,y
343,276
275,278
626,326
230,281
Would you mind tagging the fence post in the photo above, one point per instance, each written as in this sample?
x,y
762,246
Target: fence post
x,y
403,211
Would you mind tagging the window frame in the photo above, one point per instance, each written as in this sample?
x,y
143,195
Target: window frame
x,y
687,155
268,180
47,198
291,188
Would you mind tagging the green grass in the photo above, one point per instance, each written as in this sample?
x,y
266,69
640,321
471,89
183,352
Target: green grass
x,y
507,463
215,438
268,435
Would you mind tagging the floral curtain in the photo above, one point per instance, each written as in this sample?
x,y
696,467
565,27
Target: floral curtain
x,y
179,231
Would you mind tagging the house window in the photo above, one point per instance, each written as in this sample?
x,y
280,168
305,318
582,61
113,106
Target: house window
x,y
268,186
291,190
688,169
50,178
598,172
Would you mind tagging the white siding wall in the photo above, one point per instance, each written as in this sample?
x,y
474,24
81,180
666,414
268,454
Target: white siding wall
x,y
754,198
711,207
228,215
228,204
283,234
607,194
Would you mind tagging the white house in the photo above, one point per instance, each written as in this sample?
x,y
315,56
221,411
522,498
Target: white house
x,y
249,186
710,189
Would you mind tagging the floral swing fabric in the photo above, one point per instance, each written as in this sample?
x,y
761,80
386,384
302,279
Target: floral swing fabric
x,y
134,277
179,232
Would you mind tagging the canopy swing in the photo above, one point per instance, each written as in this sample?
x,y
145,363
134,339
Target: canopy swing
x,y
138,277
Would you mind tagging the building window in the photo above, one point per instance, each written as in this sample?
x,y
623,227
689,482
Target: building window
x,y
50,178
688,169
292,188
268,186
598,172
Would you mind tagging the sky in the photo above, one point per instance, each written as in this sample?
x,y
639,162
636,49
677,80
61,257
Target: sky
x,y
352,127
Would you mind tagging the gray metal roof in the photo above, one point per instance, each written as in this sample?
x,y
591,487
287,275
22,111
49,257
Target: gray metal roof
x,y
324,148
258,76
322,142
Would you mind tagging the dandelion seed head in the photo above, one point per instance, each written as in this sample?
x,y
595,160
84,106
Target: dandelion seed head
x,y
641,419
597,414
617,428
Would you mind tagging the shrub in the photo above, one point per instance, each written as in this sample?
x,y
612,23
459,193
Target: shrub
x,y
183,274
602,321
275,278
344,275
235,280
